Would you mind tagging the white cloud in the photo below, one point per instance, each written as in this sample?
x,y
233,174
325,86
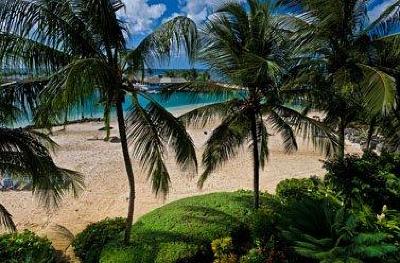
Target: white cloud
x,y
172,17
140,15
199,10
377,10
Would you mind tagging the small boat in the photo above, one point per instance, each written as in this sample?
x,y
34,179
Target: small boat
x,y
141,86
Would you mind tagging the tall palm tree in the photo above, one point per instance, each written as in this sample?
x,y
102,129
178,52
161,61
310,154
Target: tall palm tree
x,y
80,45
335,46
248,49
23,153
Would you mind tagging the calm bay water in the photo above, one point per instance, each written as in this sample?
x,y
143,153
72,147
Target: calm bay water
x,y
93,109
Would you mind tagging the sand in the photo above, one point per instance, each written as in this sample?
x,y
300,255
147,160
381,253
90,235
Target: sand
x,y
82,149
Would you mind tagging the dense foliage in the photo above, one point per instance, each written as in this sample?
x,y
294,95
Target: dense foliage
x,y
371,179
26,247
297,188
89,243
350,215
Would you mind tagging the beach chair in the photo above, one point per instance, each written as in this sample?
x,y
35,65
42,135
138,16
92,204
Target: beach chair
x,y
8,183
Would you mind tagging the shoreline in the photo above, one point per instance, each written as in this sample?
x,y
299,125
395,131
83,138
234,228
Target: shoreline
x,y
176,111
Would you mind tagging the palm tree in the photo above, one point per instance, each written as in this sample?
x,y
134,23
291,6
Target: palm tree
x,y
248,50
335,46
23,153
80,45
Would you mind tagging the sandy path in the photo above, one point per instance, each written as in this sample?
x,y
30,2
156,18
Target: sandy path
x,y
106,184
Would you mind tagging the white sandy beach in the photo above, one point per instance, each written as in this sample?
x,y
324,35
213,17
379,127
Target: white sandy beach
x,y
82,149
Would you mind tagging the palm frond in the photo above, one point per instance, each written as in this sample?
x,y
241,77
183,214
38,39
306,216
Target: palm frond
x,y
380,90
203,115
9,114
52,23
103,24
321,136
172,130
71,87
148,147
65,233
6,219
225,141
387,22
164,42
22,154
39,58
23,95
207,88
281,126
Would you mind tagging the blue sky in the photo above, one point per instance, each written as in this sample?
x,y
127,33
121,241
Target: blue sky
x,y
145,15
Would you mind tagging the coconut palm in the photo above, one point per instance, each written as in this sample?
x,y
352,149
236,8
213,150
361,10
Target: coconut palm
x,y
80,45
23,154
336,50
248,50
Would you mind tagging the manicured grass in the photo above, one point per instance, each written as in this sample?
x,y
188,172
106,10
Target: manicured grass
x,y
183,230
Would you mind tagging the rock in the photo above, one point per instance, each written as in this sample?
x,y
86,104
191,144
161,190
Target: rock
x,y
115,140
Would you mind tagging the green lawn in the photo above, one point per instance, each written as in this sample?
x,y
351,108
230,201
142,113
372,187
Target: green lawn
x,y
183,230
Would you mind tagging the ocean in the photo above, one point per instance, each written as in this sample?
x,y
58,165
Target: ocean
x,y
179,100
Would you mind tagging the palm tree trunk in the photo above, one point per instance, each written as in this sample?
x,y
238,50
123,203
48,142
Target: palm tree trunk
x,y
341,146
129,171
65,120
371,130
256,162
107,119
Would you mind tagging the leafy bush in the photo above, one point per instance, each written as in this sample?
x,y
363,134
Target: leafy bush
x,y
297,188
223,250
327,232
182,231
268,243
263,225
89,243
254,256
26,247
371,179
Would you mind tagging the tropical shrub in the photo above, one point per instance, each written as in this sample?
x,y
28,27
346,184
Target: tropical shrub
x,y
325,231
89,243
370,179
297,188
254,256
223,250
26,247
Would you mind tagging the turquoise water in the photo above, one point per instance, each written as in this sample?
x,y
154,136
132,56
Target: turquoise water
x,y
178,100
